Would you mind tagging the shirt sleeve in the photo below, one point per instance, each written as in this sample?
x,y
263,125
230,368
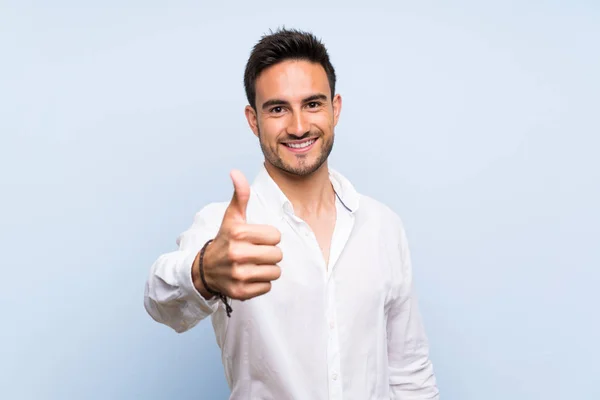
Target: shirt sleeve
x,y
410,368
170,296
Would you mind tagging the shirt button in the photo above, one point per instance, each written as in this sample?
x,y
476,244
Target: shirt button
x,y
331,325
334,376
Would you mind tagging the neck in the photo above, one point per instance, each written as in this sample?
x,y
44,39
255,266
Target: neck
x,y
310,195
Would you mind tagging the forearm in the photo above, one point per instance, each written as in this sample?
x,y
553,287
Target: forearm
x,y
174,294
417,382
170,296
411,370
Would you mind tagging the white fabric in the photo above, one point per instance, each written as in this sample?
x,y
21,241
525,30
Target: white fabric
x,y
348,330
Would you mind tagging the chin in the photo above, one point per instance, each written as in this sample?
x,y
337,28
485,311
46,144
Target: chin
x,y
301,170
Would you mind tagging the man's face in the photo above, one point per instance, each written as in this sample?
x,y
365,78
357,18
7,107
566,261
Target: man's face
x,y
295,116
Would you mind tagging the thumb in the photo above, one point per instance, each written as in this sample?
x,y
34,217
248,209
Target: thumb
x,y
241,195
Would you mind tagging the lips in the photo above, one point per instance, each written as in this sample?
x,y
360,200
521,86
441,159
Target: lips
x,y
300,144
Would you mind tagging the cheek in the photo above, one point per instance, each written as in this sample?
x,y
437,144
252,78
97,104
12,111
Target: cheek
x,y
270,129
323,121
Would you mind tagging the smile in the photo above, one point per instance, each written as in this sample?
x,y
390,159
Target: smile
x,y
301,146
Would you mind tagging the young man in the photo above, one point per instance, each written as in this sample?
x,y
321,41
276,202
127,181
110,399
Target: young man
x,y
307,282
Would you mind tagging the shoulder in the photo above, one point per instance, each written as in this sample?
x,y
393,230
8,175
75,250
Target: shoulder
x,y
375,209
211,214
382,217
206,222
366,206
391,230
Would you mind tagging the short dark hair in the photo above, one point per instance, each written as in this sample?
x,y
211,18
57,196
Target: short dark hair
x,y
281,45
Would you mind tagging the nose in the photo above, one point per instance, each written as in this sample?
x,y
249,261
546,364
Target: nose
x,y
298,125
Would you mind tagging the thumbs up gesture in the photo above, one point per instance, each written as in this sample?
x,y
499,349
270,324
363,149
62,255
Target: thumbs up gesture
x,y
241,260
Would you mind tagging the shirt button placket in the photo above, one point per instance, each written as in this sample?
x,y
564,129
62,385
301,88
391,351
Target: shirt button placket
x,y
335,387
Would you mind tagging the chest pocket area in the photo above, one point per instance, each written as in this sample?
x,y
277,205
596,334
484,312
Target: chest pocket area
x,y
363,278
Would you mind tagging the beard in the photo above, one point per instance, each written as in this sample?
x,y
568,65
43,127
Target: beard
x,y
304,166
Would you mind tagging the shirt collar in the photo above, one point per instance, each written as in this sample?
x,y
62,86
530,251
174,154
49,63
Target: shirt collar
x,y
269,192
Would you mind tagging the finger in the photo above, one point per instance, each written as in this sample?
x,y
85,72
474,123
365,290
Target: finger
x,y
256,234
258,273
247,253
241,195
255,289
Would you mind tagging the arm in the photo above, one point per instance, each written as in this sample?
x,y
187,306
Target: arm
x,y
174,293
411,370
170,296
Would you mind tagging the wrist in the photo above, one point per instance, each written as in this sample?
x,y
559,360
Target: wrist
x,y
203,285
197,279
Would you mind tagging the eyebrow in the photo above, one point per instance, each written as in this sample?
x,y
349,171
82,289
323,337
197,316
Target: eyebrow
x,y
279,102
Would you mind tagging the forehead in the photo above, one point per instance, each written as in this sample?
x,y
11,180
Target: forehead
x,y
291,80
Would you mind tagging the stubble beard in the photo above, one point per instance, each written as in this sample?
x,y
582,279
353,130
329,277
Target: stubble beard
x,y
303,169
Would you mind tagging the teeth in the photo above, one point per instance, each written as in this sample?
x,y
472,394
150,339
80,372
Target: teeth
x,y
300,145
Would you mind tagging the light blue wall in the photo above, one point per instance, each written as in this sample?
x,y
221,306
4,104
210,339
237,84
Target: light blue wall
x,y
479,124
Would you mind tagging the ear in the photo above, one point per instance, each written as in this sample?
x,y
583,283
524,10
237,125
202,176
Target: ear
x,y
252,119
337,108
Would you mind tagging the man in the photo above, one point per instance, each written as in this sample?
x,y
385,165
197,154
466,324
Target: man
x,y
308,283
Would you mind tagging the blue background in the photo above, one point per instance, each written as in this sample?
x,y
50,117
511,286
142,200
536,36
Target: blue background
x,y
478,123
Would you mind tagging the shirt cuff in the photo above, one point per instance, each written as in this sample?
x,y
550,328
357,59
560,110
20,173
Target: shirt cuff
x,y
200,305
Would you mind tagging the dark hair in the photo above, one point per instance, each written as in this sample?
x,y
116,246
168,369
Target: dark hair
x,y
285,44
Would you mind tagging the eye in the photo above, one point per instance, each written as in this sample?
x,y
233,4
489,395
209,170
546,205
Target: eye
x,y
276,110
314,104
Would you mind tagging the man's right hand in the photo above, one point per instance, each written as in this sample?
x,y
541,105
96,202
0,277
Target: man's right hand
x,y
241,260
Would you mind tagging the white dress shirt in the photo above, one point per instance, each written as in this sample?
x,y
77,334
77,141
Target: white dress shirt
x,y
347,330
